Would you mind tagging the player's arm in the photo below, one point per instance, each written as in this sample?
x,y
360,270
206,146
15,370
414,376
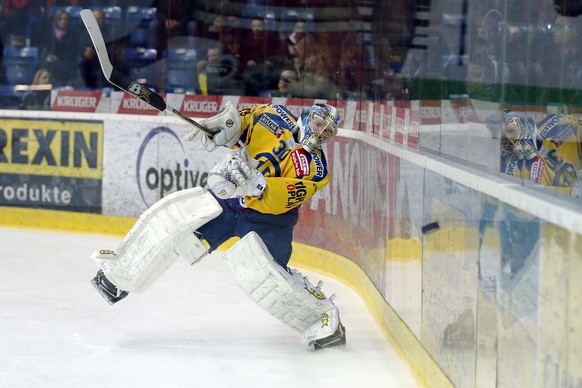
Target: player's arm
x,y
229,124
237,176
283,194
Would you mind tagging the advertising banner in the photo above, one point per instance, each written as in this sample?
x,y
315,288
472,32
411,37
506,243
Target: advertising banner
x,y
352,216
51,164
430,112
199,106
144,162
86,101
125,103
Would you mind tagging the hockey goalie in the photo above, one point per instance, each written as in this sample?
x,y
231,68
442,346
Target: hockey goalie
x,y
275,163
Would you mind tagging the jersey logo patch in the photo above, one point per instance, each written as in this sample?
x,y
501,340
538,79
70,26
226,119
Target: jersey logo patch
x,y
537,169
301,162
271,125
319,168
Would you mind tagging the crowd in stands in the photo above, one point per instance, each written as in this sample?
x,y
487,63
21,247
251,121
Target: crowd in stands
x,y
526,44
242,47
202,47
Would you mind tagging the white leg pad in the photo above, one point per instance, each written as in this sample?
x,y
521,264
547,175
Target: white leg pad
x,y
161,234
289,298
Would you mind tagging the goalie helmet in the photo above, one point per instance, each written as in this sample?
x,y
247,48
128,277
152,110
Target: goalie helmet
x,y
316,125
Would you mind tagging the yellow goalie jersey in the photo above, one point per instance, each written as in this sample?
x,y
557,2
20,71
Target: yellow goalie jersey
x,y
293,175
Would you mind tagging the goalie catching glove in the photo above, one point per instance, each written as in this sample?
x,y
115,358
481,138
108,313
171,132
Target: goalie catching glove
x,y
227,127
236,176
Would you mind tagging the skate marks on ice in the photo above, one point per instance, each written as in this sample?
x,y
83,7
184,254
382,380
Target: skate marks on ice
x,y
193,328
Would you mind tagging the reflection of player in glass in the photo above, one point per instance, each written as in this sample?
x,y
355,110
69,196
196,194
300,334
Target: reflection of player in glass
x,y
548,152
276,163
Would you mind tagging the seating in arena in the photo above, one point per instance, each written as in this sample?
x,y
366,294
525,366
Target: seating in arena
x,y
139,61
20,64
181,74
290,16
138,20
112,16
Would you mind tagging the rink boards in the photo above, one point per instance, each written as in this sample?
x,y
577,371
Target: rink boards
x,y
490,297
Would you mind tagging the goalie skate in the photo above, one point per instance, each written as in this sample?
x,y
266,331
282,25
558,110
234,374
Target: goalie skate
x,y
336,339
107,289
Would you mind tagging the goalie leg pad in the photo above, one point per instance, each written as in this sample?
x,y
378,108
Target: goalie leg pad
x,y
288,297
161,234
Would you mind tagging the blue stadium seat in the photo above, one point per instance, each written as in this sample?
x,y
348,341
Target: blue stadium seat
x,y
112,16
20,64
137,22
181,74
11,96
290,16
139,61
270,21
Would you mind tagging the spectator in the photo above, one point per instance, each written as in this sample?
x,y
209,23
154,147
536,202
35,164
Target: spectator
x,y
232,43
312,56
213,30
89,63
219,73
287,78
299,31
224,31
313,64
212,59
40,96
20,18
527,45
260,46
563,68
210,34
262,57
58,49
481,76
173,19
489,42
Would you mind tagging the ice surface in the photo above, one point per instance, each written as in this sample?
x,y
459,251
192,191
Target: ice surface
x,y
193,328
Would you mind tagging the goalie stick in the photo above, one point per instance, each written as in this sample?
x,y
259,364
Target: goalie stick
x,y
123,82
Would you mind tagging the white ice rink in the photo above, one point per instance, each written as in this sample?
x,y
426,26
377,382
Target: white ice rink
x,y
193,328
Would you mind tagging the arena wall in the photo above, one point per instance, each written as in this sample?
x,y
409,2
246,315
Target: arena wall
x,y
488,299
